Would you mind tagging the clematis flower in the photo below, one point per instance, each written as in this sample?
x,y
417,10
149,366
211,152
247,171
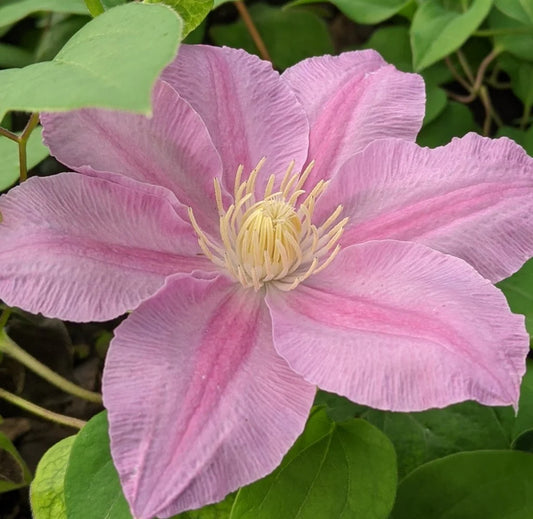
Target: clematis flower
x,y
271,234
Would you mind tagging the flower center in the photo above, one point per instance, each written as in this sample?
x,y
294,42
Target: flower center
x,y
273,239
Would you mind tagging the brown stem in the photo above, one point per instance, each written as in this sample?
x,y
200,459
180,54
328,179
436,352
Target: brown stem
x,y
9,135
465,65
252,29
460,79
490,113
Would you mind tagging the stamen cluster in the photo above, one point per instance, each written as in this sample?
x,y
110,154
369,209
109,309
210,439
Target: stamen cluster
x,y
273,239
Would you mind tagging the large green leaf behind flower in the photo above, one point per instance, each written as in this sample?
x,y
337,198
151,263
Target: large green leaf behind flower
x,y
112,62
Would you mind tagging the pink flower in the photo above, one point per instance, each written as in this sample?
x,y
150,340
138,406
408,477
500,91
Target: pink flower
x,y
367,273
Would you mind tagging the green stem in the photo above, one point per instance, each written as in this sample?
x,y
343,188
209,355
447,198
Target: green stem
x,y
483,33
525,117
5,317
95,7
9,347
41,411
22,141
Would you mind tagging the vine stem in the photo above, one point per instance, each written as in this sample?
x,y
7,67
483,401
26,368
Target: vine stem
x,y
69,421
9,347
252,29
95,7
22,141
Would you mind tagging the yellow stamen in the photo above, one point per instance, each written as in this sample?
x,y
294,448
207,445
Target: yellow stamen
x,y
273,239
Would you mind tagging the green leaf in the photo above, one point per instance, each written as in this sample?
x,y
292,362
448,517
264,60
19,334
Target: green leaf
x,y
334,470
368,12
511,35
438,31
524,419
57,35
455,121
47,493
289,36
436,101
192,12
424,436
519,292
9,165
521,74
521,10
392,43
112,62
469,485
13,471
220,510
12,11
92,487
524,442
12,56
338,408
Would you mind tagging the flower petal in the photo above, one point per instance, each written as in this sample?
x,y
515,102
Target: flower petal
x,y
86,249
351,100
249,111
472,198
171,149
399,326
199,402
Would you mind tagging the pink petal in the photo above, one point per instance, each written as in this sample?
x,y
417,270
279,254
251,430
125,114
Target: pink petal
x,y
399,326
199,402
86,249
249,111
351,100
472,198
171,149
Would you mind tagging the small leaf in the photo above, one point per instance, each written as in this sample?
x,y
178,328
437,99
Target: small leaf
x,y
437,31
524,442
524,419
47,492
92,487
334,470
12,56
512,35
112,62
288,35
436,101
519,292
392,42
469,485
12,11
192,12
13,471
454,121
221,510
9,165
368,12
521,10
521,74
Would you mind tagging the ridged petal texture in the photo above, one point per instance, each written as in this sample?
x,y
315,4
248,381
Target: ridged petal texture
x,y
87,249
199,401
472,198
399,326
